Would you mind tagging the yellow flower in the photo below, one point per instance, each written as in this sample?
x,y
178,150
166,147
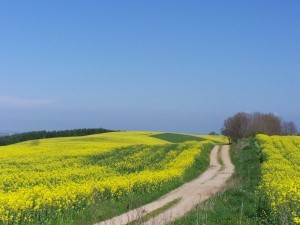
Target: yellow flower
x,y
62,174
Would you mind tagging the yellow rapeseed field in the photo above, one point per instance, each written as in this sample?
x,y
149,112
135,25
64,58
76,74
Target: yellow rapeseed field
x,y
215,138
47,177
281,175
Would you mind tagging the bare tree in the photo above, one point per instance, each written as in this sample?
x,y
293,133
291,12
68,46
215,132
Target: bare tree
x,y
243,125
236,127
289,128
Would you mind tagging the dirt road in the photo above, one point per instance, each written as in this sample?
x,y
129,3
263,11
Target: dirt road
x,y
191,194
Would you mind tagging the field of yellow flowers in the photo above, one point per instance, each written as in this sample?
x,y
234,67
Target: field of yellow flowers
x,y
281,177
45,178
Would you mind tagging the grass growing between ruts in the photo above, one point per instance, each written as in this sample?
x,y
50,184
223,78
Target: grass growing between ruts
x,y
237,204
148,216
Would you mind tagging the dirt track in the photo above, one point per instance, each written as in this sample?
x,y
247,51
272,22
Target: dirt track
x,y
191,194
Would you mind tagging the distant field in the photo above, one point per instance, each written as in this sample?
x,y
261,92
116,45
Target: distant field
x,y
216,138
43,179
178,138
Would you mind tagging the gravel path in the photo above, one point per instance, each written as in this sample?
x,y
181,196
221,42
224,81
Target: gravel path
x,y
191,194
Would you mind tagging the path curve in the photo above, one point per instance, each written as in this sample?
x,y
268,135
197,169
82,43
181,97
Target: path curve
x,y
191,193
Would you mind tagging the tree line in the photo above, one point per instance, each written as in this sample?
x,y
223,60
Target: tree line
x,y
243,125
34,135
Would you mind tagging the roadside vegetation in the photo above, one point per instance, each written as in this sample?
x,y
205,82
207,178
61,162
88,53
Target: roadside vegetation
x,y
263,190
236,204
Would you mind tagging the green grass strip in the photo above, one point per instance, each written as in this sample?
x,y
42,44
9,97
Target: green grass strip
x,y
220,161
177,138
156,212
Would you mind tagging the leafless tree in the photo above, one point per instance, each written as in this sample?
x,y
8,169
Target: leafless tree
x,y
236,127
265,123
289,128
243,125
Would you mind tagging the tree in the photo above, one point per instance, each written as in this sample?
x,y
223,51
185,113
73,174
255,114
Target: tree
x,y
289,128
264,124
236,127
243,125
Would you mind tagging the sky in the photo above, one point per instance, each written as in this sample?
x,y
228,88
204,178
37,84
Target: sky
x,y
174,66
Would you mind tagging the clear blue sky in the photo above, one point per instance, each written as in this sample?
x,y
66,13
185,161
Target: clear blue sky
x,y
146,65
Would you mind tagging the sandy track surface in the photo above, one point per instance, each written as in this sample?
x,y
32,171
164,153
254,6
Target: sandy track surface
x,y
191,194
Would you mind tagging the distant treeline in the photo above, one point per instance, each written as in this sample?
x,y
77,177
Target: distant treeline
x,y
244,125
33,135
